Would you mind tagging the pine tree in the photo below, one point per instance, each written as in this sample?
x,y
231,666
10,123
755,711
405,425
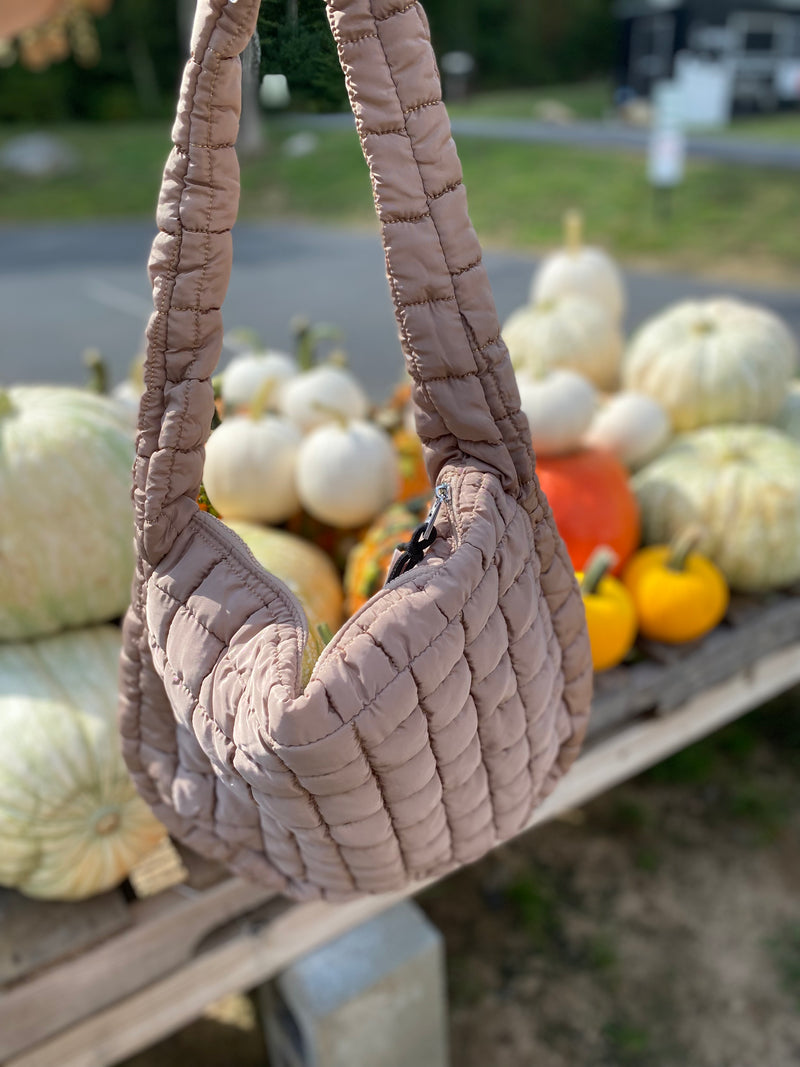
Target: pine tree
x,y
296,41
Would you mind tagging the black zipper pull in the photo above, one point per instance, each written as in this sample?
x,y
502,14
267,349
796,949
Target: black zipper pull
x,y
413,551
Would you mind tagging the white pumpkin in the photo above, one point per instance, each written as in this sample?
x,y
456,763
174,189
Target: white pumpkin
x,y
741,485
580,270
568,333
71,822
66,519
247,377
325,392
559,406
249,470
633,426
788,418
713,361
128,392
128,397
347,472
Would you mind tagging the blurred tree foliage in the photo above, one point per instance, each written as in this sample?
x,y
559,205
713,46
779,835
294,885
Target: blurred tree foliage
x,y
136,77
514,43
527,42
296,41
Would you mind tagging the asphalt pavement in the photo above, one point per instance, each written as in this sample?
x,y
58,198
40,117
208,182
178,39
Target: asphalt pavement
x,y
66,288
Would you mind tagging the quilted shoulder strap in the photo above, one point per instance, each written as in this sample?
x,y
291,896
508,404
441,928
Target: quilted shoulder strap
x,y
464,389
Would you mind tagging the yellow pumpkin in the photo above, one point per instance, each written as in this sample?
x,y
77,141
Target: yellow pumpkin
x,y
610,612
680,595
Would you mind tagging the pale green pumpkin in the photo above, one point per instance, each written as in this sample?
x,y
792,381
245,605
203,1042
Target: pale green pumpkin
x,y
711,362
66,521
741,486
71,822
565,333
788,418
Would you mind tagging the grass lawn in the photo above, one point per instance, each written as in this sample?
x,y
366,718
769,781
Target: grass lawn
x,y
726,220
586,100
784,126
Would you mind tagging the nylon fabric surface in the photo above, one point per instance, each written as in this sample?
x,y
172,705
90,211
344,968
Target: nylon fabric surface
x,y
449,706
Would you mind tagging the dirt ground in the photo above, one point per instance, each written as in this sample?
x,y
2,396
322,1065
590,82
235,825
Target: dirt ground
x,y
657,927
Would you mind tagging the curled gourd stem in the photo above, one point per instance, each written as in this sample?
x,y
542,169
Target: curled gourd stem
x,y
573,231
98,371
600,563
683,545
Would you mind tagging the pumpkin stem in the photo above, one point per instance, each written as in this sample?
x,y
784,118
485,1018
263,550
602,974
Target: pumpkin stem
x,y
6,404
136,373
242,338
573,231
333,414
262,399
703,327
107,822
325,633
682,546
98,371
308,337
338,358
600,563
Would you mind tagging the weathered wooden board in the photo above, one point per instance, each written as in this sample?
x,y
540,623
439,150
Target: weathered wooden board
x,y
164,932
658,683
248,940
35,932
670,676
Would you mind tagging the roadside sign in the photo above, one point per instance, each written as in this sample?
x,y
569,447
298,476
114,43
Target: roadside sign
x,y
666,156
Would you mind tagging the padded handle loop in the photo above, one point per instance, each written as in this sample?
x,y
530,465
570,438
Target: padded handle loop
x,y
465,392
464,388
190,267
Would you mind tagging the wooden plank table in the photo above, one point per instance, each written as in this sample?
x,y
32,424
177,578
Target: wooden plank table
x,y
141,966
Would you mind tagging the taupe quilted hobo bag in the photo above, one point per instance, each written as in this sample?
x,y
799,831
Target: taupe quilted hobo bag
x,y
451,703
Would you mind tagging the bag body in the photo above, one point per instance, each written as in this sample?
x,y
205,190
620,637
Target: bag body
x,y
448,707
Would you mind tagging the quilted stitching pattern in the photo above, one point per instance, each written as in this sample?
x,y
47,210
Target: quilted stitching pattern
x,y
449,706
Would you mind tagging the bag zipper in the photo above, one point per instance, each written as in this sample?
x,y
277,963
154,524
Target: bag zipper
x,y
441,497
413,551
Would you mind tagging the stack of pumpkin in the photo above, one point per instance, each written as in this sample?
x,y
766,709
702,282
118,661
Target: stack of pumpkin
x,y
686,441
300,466
71,823
684,436
664,443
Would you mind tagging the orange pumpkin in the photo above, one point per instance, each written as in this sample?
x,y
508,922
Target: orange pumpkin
x,y
592,502
414,479
393,416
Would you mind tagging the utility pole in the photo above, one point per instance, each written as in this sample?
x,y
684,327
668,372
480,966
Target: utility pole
x,y
251,132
